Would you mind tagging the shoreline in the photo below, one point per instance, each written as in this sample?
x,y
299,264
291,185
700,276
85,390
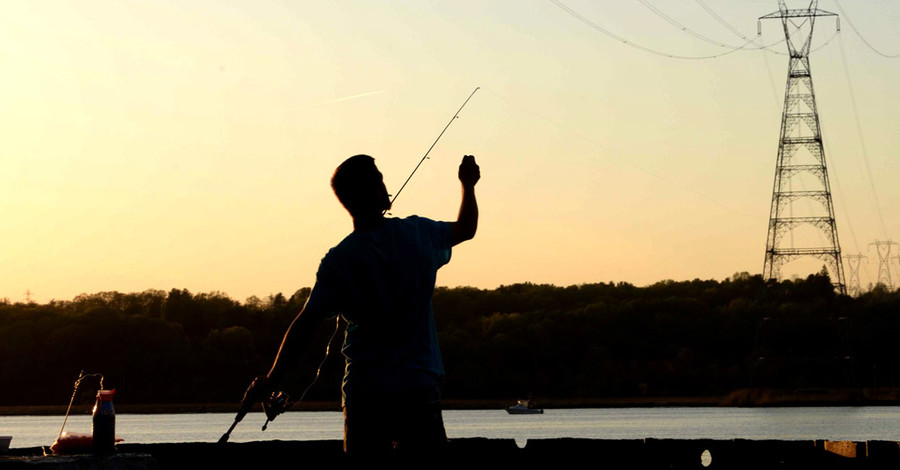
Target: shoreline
x,y
738,398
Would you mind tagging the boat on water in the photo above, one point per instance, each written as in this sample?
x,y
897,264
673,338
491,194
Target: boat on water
x,y
524,407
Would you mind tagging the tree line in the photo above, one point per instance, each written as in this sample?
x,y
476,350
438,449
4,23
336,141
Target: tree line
x,y
668,339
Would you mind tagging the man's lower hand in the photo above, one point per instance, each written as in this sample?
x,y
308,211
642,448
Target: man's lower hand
x,y
257,391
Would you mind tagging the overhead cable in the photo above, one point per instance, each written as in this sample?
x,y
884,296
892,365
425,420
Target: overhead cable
x,y
618,38
844,13
722,21
737,32
862,141
684,28
766,47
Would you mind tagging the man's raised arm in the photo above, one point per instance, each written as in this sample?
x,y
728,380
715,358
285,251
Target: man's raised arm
x,y
467,222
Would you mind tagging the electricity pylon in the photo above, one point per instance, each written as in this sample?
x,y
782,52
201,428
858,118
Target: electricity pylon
x,y
884,262
853,286
801,162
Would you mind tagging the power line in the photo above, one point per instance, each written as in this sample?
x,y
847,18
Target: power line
x,y
741,35
625,41
687,30
771,81
853,27
842,201
722,21
618,38
821,46
862,141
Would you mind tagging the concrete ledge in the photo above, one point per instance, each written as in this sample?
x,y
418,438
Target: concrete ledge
x,y
119,461
540,453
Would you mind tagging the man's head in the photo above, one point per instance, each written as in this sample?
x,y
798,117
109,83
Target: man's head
x,y
359,186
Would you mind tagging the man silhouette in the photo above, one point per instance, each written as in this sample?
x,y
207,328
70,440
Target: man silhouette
x,y
380,279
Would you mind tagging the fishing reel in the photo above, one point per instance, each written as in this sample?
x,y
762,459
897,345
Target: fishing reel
x,y
276,404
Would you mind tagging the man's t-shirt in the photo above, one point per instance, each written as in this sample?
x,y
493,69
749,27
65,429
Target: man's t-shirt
x,y
381,282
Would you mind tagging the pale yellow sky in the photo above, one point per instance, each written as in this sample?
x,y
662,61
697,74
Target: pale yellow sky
x,y
159,145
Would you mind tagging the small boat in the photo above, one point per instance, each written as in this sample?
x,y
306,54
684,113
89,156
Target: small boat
x,y
524,407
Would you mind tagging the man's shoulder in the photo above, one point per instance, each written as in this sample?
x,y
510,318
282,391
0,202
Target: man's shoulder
x,y
424,225
418,220
342,247
428,232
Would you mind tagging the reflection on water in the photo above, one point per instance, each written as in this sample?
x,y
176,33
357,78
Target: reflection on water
x,y
835,423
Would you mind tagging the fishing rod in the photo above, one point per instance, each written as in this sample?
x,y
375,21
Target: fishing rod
x,y
278,402
455,116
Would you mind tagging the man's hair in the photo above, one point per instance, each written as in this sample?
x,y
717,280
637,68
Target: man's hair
x,y
351,180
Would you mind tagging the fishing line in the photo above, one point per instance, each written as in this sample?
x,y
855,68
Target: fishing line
x,y
337,327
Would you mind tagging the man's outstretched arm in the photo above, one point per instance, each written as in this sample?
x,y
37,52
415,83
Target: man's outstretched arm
x,y
467,221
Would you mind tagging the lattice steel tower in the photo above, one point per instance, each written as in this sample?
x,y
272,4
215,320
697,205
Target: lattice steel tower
x,y
884,261
801,218
853,261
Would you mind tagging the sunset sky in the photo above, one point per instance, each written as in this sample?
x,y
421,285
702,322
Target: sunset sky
x,y
189,144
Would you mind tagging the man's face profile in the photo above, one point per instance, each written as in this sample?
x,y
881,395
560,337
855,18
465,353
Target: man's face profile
x,y
360,187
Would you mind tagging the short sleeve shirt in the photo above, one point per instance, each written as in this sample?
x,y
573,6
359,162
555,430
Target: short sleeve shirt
x,y
381,282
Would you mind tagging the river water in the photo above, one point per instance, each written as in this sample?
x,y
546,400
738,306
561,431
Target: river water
x,y
835,423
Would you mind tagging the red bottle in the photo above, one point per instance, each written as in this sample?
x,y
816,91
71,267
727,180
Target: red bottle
x,y
104,423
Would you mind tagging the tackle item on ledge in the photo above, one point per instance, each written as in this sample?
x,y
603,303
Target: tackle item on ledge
x,y
72,443
103,423
102,439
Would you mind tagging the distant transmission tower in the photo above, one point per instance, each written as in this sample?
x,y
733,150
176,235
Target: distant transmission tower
x,y
884,261
801,218
854,285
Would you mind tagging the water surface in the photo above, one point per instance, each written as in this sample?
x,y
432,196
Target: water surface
x,y
835,423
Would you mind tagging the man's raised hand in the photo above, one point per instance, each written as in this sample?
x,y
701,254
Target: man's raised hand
x,y
469,173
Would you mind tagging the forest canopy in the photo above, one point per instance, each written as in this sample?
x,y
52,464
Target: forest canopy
x,y
672,338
